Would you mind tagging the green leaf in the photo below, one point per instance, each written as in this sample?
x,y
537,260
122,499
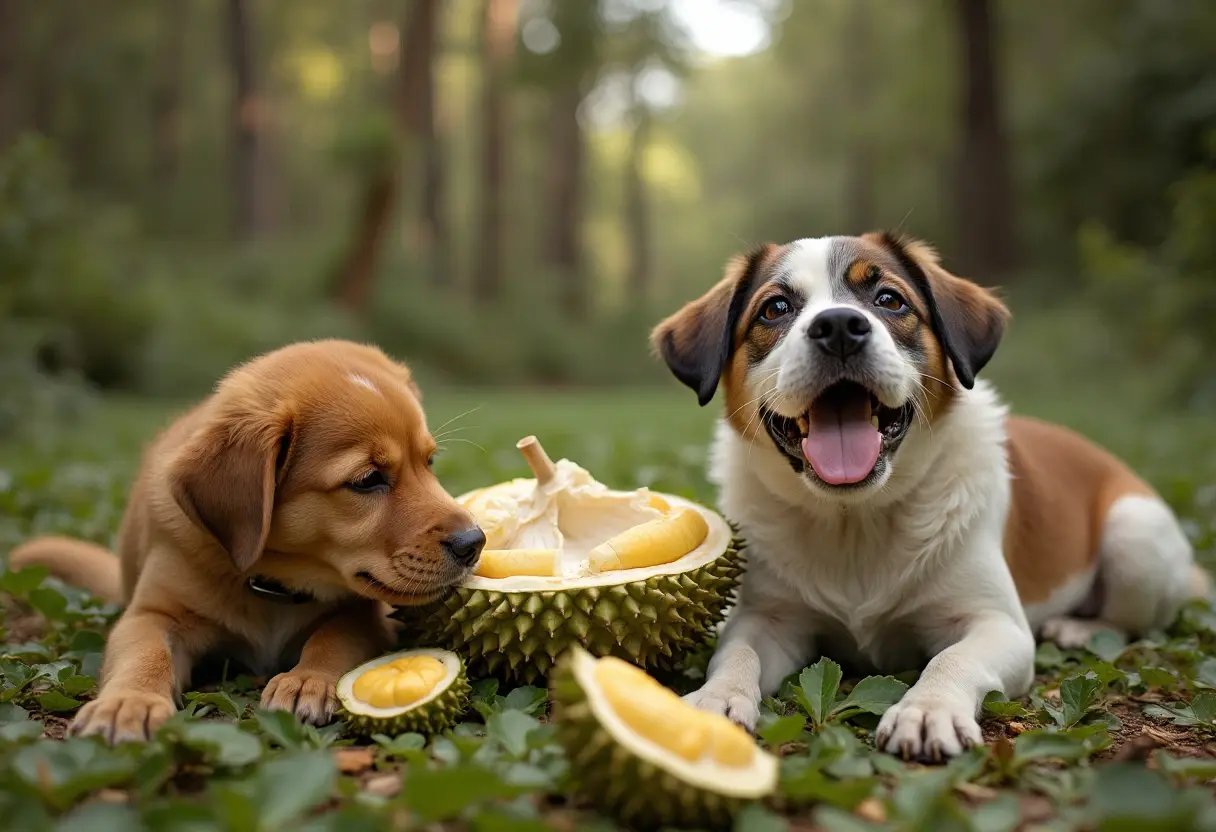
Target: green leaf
x,y
1205,673
287,786
408,746
10,712
100,817
510,729
526,698
1048,656
1158,677
20,582
1077,694
1126,796
218,700
872,695
756,818
55,702
1002,814
443,794
284,729
782,729
1069,746
220,742
1107,645
61,772
1204,707
87,641
48,602
1200,769
817,687
996,704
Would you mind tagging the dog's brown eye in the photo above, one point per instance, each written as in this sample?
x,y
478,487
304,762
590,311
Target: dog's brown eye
x,y
775,309
890,300
372,482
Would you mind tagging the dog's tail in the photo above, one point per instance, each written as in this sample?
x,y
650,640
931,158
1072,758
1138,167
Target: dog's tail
x,y
77,562
1200,583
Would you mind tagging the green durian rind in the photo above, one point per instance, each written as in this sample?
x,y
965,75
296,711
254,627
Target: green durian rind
x,y
432,717
638,793
652,622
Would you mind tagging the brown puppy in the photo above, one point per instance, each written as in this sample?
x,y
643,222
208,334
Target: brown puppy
x,y
271,523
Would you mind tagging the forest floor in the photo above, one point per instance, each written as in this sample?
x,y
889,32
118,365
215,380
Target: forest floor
x,y
1117,736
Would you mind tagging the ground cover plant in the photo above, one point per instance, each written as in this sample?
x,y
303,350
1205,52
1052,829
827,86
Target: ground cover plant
x,y
1116,736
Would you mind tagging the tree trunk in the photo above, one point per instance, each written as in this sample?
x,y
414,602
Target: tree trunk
x,y
563,246
858,74
167,93
356,277
416,100
985,191
10,114
637,207
497,45
245,118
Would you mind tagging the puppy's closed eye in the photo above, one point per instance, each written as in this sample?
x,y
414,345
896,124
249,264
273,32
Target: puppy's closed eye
x,y
373,482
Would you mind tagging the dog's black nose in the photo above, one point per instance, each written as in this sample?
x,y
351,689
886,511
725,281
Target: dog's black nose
x,y
465,546
840,332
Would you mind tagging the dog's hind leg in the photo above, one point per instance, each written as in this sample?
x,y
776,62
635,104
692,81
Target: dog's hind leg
x,y
1146,569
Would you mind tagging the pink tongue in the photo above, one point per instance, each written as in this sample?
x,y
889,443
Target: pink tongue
x,y
842,444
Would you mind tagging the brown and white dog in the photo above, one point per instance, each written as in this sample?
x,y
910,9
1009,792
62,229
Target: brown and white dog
x,y
273,523
893,511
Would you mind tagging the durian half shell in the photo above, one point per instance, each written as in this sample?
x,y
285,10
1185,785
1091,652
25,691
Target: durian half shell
x,y
637,780
517,627
433,713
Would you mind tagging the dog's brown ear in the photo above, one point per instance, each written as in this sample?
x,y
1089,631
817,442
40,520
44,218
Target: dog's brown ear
x,y
697,341
968,318
225,481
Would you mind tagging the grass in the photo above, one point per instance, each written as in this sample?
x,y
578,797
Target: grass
x,y
1113,737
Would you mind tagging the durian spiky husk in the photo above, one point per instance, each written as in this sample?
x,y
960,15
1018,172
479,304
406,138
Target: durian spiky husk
x,y
432,714
652,621
625,574
640,792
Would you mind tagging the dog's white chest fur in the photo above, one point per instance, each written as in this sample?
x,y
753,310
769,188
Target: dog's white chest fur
x,y
866,572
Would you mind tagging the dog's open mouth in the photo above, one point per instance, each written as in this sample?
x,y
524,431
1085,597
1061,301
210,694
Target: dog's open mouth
x,y
843,435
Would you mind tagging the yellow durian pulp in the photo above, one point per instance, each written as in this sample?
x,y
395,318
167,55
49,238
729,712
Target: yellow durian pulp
x,y
663,718
401,682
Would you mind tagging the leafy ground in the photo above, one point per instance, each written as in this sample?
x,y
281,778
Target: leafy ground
x,y
1114,737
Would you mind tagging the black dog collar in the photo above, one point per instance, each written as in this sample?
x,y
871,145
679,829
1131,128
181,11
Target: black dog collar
x,y
271,590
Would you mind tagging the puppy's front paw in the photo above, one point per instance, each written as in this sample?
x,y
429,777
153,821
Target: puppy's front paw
x,y
742,707
312,697
123,716
928,727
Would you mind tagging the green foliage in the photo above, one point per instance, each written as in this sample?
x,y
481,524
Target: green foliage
x,y
224,763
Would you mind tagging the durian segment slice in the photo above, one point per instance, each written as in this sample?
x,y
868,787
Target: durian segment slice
x,y
593,528
654,542
509,563
698,772
422,690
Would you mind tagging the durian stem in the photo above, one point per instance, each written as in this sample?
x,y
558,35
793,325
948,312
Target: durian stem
x,y
537,459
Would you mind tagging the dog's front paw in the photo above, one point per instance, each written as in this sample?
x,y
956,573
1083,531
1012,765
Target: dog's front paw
x,y
929,728
123,716
311,696
740,706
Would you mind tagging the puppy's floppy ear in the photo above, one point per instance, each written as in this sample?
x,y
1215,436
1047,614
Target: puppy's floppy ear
x,y
226,477
968,318
697,341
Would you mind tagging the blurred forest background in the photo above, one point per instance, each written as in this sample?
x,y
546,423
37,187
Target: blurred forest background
x,y
511,192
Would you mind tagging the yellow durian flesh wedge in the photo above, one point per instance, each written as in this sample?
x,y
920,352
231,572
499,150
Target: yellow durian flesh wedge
x,y
663,718
654,542
399,683
508,563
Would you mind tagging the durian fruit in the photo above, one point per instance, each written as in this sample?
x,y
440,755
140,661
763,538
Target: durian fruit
x,y
422,690
642,754
635,574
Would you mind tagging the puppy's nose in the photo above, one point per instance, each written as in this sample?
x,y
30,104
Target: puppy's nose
x,y
465,546
840,331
